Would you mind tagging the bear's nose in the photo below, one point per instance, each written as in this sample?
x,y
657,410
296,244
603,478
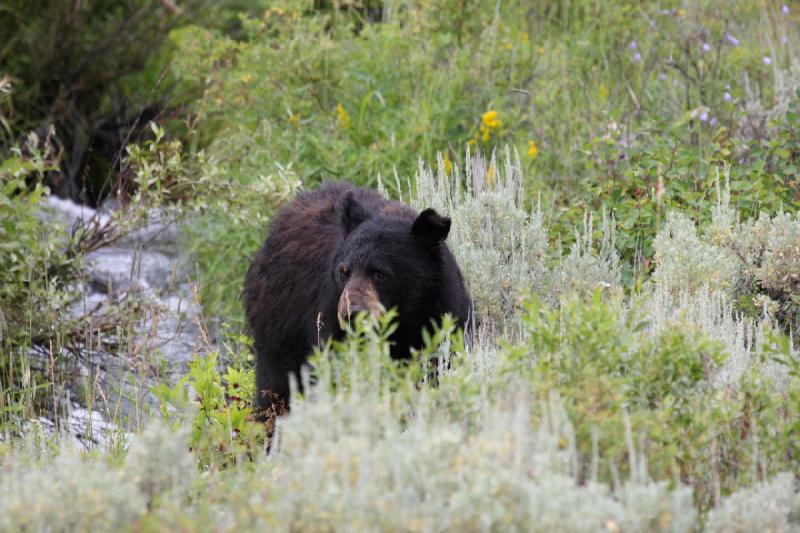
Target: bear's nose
x,y
353,310
348,313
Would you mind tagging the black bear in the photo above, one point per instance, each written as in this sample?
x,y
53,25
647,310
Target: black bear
x,y
334,252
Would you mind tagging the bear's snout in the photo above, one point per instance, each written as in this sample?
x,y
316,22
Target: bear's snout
x,y
359,295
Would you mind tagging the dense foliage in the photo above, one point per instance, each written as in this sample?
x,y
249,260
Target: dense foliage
x,y
623,180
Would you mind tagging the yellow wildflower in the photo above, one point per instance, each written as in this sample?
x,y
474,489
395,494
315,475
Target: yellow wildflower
x,y
681,12
293,119
490,175
247,78
489,123
532,149
447,165
490,120
344,117
541,50
524,37
508,46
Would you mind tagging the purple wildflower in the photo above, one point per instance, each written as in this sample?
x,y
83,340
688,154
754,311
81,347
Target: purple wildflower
x,y
706,47
703,116
726,96
662,77
731,39
784,39
785,9
637,56
767,60
712,122
633,45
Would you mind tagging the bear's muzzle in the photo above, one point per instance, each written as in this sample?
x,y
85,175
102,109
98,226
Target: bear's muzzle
x,y
359,295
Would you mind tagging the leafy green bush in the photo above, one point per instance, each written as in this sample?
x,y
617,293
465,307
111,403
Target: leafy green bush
x,y
35,280
219,411
640,184
30,254
95,73
617,376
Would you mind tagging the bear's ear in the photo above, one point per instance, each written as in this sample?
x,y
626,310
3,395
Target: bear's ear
x,y
353,213
431,226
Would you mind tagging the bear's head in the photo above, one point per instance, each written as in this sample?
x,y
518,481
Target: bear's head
x,y
389,261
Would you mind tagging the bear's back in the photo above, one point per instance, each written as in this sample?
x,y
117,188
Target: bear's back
x,y
323,207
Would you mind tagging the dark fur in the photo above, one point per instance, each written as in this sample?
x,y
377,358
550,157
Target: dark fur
x,y
293,287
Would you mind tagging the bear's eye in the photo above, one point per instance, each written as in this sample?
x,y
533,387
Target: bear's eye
x,y
344,270
378,275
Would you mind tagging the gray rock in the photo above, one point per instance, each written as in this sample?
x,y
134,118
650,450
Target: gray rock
x,y
147,264
68,212
86,430
161,235
122,269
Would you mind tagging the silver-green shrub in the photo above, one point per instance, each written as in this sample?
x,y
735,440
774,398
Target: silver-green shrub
x,y
69,493
685,261
159,464
500,245
585,269
769,250
72,492
737,281
345,461
772,505
758,259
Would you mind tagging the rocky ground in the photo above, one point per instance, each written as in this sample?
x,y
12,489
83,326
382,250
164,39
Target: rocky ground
x,y
109,387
